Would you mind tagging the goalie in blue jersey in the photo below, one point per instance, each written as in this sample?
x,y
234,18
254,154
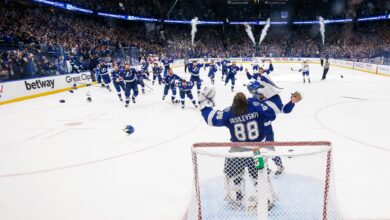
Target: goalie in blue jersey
x,y
245,120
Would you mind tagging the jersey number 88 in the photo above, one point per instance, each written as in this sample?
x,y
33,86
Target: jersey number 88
x,y
249,132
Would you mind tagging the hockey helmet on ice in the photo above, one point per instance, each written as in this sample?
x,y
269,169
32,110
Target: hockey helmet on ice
x,y
129,129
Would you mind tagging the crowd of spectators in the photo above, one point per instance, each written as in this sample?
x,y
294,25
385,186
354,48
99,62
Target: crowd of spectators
x,y
40,41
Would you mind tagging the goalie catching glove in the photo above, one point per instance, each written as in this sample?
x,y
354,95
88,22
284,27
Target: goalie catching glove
x,y
296,97
207,97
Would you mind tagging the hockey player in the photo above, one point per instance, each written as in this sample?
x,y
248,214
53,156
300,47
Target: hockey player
x,y
117,78
102,71
141,75
145,69
185,90
245,121
260,72
213,68
194,69
224,64
271,97
157,70
130,79
305,71
231,75
166,63
170,84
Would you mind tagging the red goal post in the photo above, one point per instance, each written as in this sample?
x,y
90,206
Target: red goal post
x,y
308,166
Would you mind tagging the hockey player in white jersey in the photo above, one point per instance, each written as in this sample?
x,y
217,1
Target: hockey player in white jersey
x,y
305,71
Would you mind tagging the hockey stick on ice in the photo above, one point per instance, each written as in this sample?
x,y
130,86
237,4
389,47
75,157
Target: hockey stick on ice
x,y
151,89
295,70
87,84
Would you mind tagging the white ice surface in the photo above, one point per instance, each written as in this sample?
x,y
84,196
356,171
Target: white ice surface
x,y
73,161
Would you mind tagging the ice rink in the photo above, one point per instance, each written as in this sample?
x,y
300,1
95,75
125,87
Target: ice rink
x,y
73,161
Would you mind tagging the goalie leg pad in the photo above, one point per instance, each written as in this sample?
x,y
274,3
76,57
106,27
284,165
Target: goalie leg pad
x,y
235,190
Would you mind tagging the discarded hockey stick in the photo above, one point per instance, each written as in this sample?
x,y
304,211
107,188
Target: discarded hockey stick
x,y
149,87
349,97
87,84
295,70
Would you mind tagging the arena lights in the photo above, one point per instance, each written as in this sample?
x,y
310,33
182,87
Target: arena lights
x,y
71,7
54,4
169,21
124,17
137,18
375,18
333,21
177,21
65,6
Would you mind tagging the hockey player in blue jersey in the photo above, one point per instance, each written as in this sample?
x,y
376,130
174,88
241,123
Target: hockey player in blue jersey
x,y
141,75
185,90
130,79
231,75
194,69
157,70
267,92
166,63
170,84
145,69
102,71
117,78
213,68
260,72
224,64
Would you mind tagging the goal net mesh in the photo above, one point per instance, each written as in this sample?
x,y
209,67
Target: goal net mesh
x,y
228,186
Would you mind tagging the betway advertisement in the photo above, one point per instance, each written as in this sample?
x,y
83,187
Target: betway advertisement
x,y
29,88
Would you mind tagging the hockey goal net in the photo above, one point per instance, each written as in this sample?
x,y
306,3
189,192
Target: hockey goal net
x,y
228,186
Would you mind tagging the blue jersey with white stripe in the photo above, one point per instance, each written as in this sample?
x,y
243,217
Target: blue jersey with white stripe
x,y
276,104
166,63
144,67
115,74
130,75
248,127
234,69
194,69
185,88
213,68
256,75
102,70
170,80
224,64
157,70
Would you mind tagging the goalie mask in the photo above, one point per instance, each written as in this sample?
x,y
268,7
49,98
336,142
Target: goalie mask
x,y
263,90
